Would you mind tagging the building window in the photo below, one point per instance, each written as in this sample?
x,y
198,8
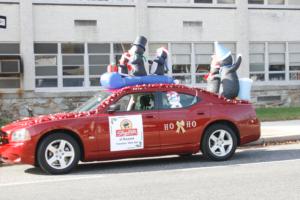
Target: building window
x,y
10,66
203,53
257,61
99,58
181,62
276,61
276,2
202,1
294,2
119,49
294,61
46,70
256,1
73,64
226,1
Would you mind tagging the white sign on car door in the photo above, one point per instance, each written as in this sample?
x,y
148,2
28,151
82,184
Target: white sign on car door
x,y
126,132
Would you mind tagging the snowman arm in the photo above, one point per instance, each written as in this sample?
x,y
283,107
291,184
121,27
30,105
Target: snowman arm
x,y
237,64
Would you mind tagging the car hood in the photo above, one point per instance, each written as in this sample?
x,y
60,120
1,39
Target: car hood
x,y
30,121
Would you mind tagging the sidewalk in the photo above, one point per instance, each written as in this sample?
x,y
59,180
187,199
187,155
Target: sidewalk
x,y
278,131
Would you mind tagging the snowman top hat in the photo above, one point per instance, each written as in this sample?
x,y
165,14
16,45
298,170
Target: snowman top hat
x,y
221,52
141,41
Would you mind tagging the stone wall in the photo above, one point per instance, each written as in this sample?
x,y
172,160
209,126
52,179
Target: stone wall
x,y
280,95
13,106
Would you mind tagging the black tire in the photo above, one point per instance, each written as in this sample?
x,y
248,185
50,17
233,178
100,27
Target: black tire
x,y
207,142
41,153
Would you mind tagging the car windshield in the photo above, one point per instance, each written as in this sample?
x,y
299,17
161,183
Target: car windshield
x,y
93,102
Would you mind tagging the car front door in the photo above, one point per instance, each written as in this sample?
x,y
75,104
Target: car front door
x,y
137,112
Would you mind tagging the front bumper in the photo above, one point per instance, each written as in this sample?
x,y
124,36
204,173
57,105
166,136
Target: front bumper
x,y
16,153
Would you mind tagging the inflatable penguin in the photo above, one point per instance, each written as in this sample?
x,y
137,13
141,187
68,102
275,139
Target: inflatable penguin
x,y
213,78
124,66
229,77
137,60
160,64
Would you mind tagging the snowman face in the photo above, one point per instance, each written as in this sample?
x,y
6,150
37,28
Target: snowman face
x,y
174,99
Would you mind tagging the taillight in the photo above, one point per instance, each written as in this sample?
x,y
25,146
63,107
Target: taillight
x,y
3,138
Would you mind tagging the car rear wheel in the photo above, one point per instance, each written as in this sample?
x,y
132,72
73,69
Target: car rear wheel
x,y
219,142
58,153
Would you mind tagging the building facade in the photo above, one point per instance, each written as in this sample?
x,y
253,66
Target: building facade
x,y
52,52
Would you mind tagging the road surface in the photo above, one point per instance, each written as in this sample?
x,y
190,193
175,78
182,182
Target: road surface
x,y
271,172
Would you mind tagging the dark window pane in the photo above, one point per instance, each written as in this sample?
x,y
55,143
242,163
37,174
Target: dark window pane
x,y
9,48
120,48
295,67
203,1
10,66
46,71
99,48
256,1
95,81
277,77
46,82
73,82
73,60
73,70
72,48
276,67
99,59
9,83
45,48
181,68
97,70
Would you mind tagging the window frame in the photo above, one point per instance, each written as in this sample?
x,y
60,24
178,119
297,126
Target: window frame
x,y
156,106
160,95
13,76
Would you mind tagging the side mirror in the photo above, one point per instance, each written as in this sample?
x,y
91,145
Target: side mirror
x,y
113,108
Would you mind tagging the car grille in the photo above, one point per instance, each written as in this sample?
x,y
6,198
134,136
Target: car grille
x,y
3,138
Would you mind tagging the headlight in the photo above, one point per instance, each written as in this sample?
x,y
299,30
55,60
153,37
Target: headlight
x,y
20,135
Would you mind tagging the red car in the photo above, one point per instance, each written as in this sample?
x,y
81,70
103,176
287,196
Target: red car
x,y
135,121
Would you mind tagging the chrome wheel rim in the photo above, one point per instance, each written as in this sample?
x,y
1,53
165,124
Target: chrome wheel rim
x,y
59,154
220,143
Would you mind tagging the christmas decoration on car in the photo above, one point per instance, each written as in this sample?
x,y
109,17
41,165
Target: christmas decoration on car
x,y
131,69
223,79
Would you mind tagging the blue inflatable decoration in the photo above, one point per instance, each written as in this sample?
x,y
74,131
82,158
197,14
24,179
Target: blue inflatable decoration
x,y
115,80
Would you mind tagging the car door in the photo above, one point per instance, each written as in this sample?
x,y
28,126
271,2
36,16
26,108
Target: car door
x,y
181,118
136,110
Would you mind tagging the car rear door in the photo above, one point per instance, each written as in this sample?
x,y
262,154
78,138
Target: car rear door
x,y
181,118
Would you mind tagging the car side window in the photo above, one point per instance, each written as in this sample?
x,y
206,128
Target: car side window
x,y
136,102
173,99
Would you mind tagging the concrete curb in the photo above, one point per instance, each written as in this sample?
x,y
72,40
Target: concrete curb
x,y
271,140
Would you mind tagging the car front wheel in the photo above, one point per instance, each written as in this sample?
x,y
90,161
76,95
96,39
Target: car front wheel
x,y
219,142
58,153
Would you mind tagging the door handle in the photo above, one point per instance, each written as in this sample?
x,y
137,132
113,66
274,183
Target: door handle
x,y
200,113
149,116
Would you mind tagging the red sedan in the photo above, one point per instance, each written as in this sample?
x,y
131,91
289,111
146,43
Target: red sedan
x,y
145,120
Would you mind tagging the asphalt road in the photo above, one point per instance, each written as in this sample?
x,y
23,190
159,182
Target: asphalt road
x,y
255,173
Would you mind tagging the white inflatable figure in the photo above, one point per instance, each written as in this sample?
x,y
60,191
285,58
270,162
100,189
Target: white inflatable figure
x,y
174,99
